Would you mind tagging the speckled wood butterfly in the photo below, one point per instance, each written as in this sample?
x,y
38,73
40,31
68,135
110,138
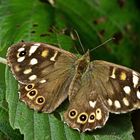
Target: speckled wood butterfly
x,y
48,75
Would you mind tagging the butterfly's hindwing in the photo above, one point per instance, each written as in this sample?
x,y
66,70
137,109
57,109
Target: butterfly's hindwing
x,y
86,110
51,92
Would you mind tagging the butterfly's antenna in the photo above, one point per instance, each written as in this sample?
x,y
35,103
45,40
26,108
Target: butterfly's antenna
x,y
103,44
79,40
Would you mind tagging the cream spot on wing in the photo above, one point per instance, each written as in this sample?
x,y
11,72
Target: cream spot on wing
x,y
127,89
17,68
113,73
98,114
33,48
92,104
32,77
37,44
21,49
138,94
123,76
53,58
87,129
125,101
33,61
135,79
117,104
110,102
77,129
45,53
27,71
20,59
134,73
43,81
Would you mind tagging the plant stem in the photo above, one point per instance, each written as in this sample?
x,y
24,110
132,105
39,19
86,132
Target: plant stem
x,y
3,60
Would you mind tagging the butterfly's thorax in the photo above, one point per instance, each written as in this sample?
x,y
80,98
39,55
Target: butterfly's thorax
x,y
81,66
82,63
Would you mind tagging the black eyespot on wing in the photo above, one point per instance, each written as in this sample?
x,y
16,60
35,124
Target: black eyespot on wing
x,y
72,113
40,100
92,117
83,117
30,86
32,93
22,53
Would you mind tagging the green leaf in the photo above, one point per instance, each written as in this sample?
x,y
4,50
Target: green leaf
x,y
6,129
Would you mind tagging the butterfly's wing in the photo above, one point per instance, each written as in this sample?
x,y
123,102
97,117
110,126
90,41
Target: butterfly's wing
x,y
120,86
86,110
103,88
44,73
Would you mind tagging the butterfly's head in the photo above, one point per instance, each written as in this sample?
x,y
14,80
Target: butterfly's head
x,y
86,57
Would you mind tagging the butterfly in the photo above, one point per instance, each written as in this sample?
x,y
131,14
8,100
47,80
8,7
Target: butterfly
x,y
47,75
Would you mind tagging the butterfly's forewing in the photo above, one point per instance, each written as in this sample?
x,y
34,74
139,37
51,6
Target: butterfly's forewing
x,y
27,59
120,86
44,73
